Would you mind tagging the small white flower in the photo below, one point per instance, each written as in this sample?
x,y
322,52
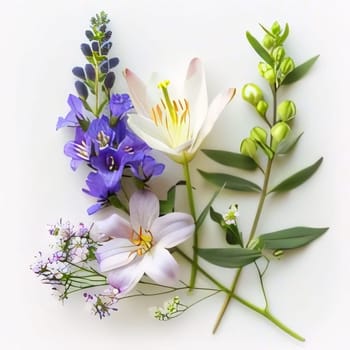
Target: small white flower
x,y
230,217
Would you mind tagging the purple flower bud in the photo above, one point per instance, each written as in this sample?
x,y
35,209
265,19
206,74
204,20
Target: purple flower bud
x,y
90,72
81,89
109,80
113,62
79,72
95,46
86,50
107,36
89,34
105,48
104,67
103,28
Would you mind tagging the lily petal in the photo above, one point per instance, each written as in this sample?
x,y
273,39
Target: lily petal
x,y
125,278
144,209
215,108
138,92
114,254
150,133
160,266
113,226
172,229
195,90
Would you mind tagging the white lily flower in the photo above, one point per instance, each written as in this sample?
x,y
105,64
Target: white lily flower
x,y
177,126
140,245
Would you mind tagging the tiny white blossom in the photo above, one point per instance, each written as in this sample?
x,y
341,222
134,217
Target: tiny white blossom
x,y
230,217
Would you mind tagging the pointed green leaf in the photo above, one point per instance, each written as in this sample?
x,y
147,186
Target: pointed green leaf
x,y
233,235
168,205
288,144
231,159
298,72
205,211
284,35
229,257
297,179
231,182
290,238
215,216
259,49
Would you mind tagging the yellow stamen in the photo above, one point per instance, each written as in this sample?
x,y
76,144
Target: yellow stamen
x,y
143,239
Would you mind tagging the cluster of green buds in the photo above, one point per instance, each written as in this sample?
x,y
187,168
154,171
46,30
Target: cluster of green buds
x,y
274,69
170,309
278,65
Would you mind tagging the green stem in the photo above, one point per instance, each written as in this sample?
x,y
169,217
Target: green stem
x,y
251,237
243,301
193,213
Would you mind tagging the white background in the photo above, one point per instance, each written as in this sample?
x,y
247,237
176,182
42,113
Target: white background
x,y
308,290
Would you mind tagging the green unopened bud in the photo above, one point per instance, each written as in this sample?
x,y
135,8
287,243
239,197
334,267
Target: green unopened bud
x,y
278,253
258,134
279,132
286,110
276,28
268,41
287,65
252,93
267,72
262,107
248,148
278,53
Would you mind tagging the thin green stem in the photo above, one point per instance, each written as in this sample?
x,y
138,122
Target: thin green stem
x,y
193,213
243,301
251,237
262,286
97,89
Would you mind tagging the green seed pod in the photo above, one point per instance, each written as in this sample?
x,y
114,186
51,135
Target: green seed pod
x,y
249,148
276,28
279,132
258,134
287,65
267,72
252,93
262,107
278,53
286,110
268,41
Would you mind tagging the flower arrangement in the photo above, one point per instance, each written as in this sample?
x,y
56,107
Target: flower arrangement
x,y
133,252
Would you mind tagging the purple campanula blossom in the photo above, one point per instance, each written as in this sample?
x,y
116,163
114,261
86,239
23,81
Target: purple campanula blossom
x,y
120,104
76,112
78,149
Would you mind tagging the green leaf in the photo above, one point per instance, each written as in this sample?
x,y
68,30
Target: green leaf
x,y
233,236
231,159
298,72
84,123
288,144
168,205
290,238
284,35
259,49
102,106
116,202
205,211
298,178
231,182
229,257
215,216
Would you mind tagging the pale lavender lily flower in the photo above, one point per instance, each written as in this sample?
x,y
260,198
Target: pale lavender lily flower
x,y
139,246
